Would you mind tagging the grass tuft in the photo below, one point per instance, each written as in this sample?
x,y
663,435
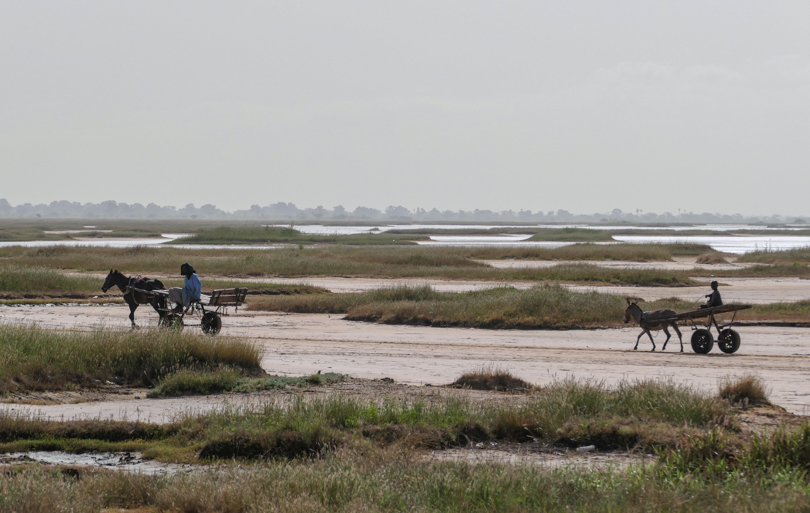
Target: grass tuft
x,y
491,378
747,389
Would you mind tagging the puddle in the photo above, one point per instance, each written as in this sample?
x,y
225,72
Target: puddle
x,y
549,460
127,461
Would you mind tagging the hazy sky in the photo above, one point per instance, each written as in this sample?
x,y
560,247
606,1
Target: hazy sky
x,y
540,105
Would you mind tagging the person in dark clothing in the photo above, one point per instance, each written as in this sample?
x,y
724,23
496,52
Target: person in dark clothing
x,y
714,297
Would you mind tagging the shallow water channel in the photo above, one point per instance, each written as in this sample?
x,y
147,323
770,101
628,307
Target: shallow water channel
x,y
127,462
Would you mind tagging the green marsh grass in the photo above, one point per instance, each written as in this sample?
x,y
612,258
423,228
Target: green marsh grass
x,y
542,306
195,382
798,311
552,414
30,280
398,482
32,358
27,281
784,257
385,262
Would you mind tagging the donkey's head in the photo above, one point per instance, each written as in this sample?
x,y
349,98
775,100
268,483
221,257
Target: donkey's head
x,y
632,308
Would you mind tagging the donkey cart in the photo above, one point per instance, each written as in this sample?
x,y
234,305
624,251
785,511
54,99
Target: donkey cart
x,y
728,340
209,309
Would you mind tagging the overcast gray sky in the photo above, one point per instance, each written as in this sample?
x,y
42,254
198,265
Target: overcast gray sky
x,y
580,105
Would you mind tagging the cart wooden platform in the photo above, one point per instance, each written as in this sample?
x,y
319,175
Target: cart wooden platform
x,y
728,340
210,308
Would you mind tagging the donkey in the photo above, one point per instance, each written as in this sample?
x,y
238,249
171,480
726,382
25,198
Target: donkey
x,y
652,321
133,299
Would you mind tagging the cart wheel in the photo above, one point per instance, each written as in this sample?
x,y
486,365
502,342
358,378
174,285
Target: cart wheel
x,y
211,323
728,341
702,341
172,321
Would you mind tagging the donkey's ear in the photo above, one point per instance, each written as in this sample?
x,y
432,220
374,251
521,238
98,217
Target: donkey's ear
x,y
628,301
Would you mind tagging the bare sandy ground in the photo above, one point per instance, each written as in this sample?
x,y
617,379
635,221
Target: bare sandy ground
x,y
300,344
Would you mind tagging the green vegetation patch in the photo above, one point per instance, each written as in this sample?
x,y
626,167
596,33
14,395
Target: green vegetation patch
x,y
549,306
798,311
33,279
191,382
377,261
400,482
317,424
36,359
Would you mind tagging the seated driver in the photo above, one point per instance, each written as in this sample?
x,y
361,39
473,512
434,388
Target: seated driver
x,y
191,289
714,297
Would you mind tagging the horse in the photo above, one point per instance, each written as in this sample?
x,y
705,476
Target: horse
x,y
133,299
652,321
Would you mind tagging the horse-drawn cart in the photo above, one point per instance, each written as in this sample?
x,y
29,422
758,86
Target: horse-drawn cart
x,y
728,340
209,308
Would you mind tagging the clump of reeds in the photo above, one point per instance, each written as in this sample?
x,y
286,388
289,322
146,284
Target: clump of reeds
x,y
748,389
491,378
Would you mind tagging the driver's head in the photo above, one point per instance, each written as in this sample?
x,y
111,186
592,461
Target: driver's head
x,y
186,270
714,285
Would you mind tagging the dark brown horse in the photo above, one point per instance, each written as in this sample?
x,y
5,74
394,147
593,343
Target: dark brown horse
x,y
655,320
133,299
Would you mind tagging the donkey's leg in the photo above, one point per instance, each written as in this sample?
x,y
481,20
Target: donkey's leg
x,y
132,306
666,332
680,337
637,339
647,330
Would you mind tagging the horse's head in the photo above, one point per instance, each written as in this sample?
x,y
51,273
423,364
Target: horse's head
x,y
109,282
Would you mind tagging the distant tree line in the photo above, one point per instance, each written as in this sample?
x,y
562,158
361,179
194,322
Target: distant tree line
x,y
288,211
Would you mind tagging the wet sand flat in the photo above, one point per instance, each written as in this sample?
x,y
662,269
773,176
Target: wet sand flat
x,y
300,344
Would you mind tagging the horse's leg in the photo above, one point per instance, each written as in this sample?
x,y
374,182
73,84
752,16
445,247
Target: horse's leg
x,y
132,306
680,337
637,339
666,332
647,330
159,305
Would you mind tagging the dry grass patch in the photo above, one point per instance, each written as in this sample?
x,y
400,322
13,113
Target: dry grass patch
x,y
748,389
711,257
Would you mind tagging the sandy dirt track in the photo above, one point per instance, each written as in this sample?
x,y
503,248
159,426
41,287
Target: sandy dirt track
x,y
297,344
